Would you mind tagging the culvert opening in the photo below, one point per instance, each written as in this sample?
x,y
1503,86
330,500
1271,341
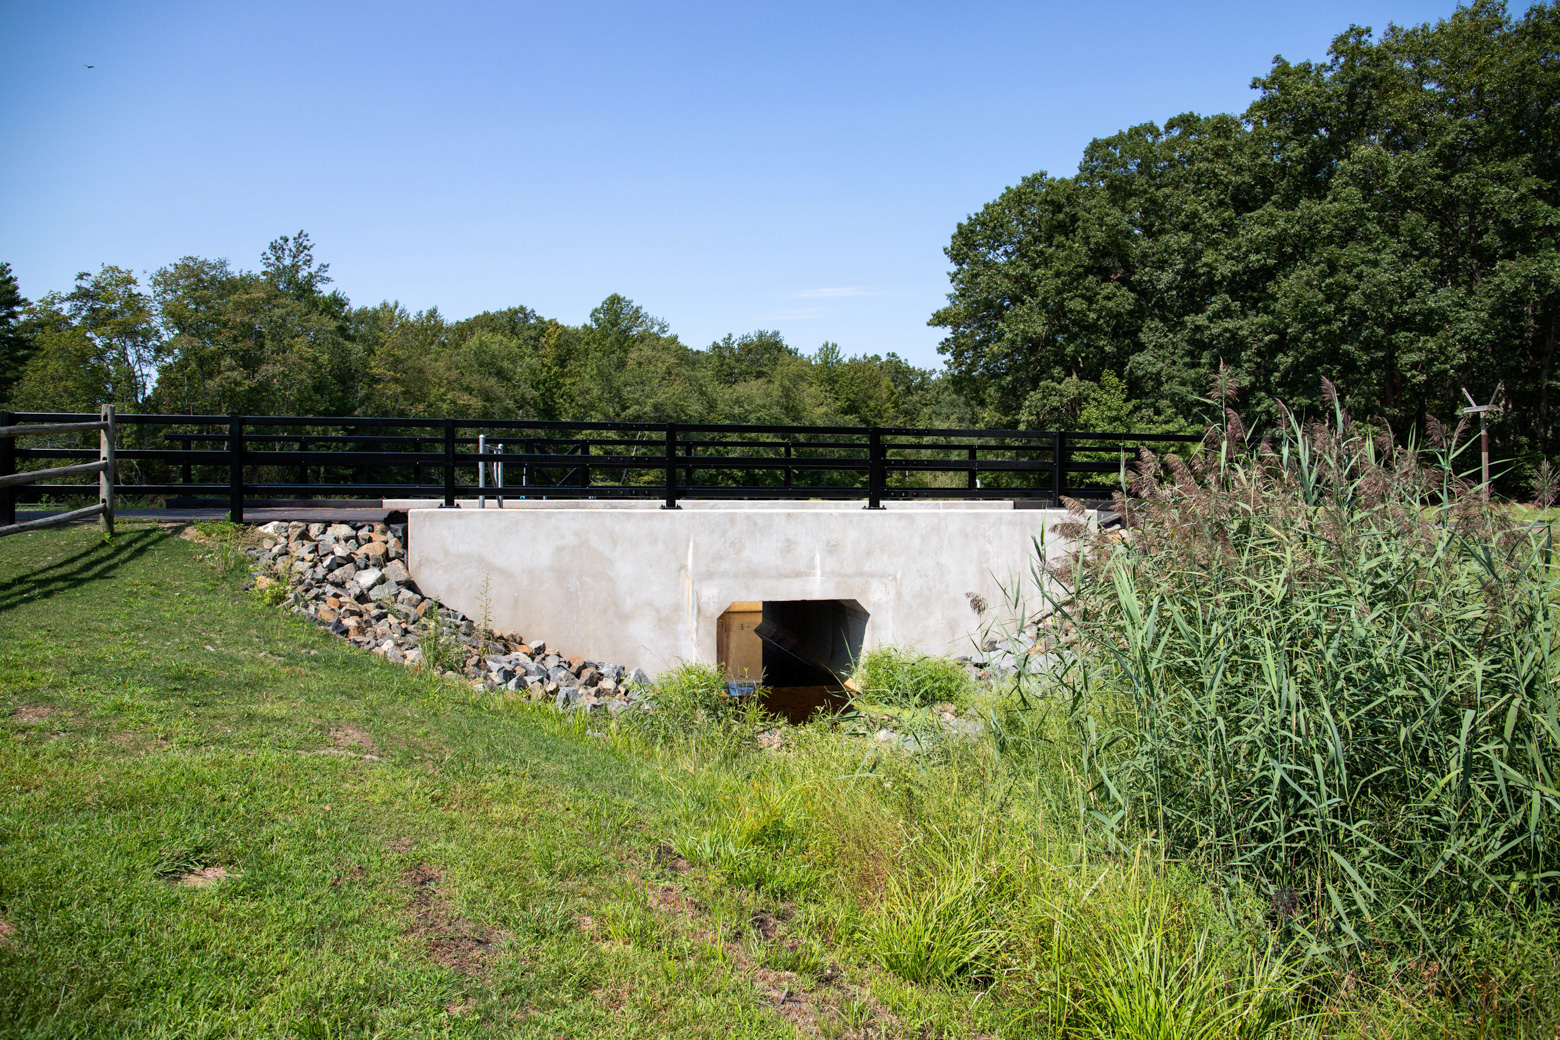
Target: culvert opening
x,y
802,650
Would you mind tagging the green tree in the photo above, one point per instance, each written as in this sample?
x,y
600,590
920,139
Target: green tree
x,y
97,344
15,344
1387,218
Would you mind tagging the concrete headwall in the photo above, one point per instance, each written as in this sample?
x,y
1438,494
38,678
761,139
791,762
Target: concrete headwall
x,y
643,587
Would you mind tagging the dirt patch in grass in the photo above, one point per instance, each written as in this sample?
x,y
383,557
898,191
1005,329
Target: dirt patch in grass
x,y
400,845
7,929
350,738
666,856
349,872
30,714
451,940
349,741
201,878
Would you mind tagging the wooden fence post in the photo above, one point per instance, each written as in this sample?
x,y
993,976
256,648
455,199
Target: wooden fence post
x,y
1058,468
235,441
106,478
876,468
7,467
449,464
671,468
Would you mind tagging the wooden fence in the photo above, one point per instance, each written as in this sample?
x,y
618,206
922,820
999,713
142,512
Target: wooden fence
x,y
103,467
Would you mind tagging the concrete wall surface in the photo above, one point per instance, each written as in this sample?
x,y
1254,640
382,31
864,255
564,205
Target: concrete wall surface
x,y
644,587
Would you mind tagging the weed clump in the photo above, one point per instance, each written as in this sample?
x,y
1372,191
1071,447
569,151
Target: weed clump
x,y
904,678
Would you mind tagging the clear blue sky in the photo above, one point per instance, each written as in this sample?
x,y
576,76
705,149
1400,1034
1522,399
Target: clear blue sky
x,y
729,166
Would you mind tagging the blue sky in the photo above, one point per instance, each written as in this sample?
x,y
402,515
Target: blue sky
x,y
730,167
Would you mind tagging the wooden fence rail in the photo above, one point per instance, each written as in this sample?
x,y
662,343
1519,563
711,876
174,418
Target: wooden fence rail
x,y
103,467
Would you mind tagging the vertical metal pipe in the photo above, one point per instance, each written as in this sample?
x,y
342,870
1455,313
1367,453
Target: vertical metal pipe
x,y
481,471
974,480
498,473
106,478
788,468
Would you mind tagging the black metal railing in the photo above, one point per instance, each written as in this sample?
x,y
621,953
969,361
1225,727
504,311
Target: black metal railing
x,y
248,459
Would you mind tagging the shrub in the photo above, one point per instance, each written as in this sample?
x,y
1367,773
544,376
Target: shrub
x,y
1324,666
905,678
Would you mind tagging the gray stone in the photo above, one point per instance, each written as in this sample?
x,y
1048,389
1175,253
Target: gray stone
x,y
368,577
395,571
408,599
385,592
638,677
562,676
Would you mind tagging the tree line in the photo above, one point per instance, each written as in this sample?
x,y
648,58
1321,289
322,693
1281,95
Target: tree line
x,y
1386,218
201,336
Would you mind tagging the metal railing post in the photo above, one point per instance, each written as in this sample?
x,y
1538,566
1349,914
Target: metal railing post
x,y
449,464
106,478
481,471
1058,467
7,467
498,475
671,467
235,441
876,471
788,468
584,463
974,480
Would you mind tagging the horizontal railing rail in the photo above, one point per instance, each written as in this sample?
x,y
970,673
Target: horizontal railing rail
x,y
102,466
247,458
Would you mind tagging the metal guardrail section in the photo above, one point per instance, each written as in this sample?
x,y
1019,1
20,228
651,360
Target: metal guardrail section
x,y
246,457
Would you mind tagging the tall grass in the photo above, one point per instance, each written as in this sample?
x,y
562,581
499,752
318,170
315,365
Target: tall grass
x,y
1322,666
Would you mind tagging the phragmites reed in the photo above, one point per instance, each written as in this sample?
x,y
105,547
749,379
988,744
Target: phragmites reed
x,y
1316,662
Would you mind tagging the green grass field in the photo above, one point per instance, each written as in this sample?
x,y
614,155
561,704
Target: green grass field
x,y
217,820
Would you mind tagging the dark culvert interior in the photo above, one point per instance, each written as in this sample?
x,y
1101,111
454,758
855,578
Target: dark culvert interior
x,y
802,650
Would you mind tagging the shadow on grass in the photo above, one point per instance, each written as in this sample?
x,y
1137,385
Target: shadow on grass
x,y
99,560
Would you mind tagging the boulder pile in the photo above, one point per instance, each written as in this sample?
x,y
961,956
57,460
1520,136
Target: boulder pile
x,y
352,579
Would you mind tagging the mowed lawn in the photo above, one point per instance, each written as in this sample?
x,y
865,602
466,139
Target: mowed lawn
x,y
218,820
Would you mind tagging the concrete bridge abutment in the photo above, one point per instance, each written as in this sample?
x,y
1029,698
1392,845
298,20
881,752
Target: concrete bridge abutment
x,y
645,587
